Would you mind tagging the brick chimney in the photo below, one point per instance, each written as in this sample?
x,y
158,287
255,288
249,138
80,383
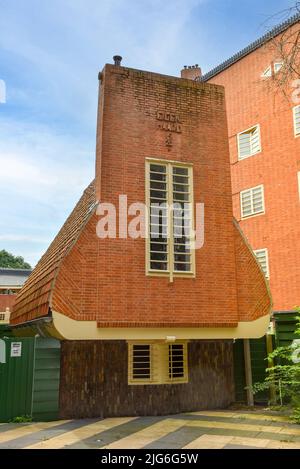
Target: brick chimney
x,y
191,72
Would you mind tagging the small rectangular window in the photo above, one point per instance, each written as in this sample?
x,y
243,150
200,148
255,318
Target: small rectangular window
x,y
263,259
277,66
296,117
177,361
252,201
2,316
141,362
249,142
157,363
267,73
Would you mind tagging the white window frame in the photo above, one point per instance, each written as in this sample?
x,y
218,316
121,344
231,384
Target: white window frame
x,y
159,363
170,272
271,69
243,217
265,250
240,158
267,73
278,63
296,131
299,184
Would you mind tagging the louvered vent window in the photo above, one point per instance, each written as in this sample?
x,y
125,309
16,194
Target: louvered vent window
x,y
170,237
249,142
296,114
252,201
141,362
157,363
262,257
176,361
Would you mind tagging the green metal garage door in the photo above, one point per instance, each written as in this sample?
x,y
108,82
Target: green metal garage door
x,y
29,378
16,372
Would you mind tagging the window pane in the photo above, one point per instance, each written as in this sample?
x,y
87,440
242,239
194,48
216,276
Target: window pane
x,y
180,179
159,265
158,168
181,171
176,361
141,367
182,267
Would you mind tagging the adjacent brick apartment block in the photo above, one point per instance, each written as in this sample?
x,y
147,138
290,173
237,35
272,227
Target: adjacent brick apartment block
x,y
147,325
264,141
11,281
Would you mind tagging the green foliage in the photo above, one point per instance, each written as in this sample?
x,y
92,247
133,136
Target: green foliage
x,y
8,260
22,419
283,375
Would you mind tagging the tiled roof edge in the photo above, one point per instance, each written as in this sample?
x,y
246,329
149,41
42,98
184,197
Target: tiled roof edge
x,y
252,47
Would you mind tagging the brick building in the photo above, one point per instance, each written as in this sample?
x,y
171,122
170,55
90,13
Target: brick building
x,y
264,131
11,281
147,325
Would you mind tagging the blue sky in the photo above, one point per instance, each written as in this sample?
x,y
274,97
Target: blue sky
x,y
50,55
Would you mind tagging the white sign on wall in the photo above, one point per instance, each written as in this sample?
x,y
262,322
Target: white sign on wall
x,y
16,349
2,351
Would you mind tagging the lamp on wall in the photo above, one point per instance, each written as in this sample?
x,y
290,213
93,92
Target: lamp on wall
x,y
170,338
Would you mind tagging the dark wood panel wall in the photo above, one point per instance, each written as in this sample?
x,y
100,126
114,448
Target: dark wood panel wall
x,y
94,381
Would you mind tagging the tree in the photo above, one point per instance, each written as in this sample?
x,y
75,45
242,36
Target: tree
x,y
8,260
286,51
283,375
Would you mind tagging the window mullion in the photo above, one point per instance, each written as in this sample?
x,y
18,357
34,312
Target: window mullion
x,y
170,218
252,201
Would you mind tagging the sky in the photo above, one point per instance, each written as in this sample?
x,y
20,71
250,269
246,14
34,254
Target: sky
x,y
50,56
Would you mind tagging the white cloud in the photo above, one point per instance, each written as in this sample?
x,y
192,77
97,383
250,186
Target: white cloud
x,y
28,238
36,161
53,52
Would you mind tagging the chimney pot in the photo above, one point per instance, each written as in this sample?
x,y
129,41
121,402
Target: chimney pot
x,y
191,72
117,60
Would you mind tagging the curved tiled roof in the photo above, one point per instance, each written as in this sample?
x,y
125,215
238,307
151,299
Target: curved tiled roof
x,y
253,46
33,299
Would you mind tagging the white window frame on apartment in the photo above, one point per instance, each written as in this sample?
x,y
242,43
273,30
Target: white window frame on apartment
x,y
267,73
296,116
299,184
170,270
266,254
276,69
164,365
273,68
248,131
252,214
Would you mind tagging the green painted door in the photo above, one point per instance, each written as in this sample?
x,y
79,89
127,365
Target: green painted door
x,y
258,349
16,375
46,378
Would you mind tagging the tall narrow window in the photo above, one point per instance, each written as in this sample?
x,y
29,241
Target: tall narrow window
x,y
140,362
170,203
252,201
177,361
262,257
296,116
249,142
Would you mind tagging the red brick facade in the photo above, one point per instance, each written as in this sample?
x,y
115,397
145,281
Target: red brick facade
x,y
251,100
7,301
104,280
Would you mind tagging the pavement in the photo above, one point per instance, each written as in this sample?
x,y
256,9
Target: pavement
x,y
195,430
